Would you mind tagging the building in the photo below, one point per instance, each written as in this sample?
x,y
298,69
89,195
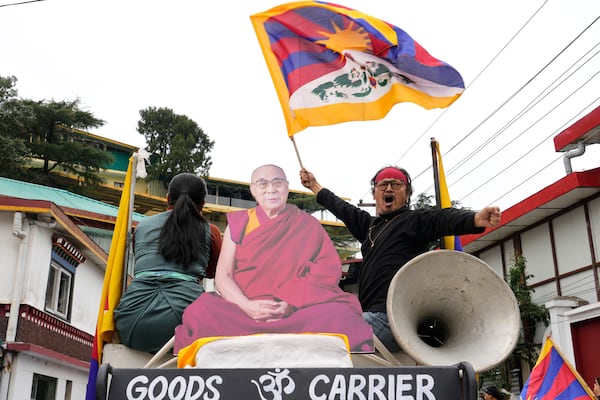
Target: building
x,y
54,246
54,251
557,230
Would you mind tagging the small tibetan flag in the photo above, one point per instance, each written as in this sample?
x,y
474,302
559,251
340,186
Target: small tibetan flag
x,y
112,287
450,242
553,377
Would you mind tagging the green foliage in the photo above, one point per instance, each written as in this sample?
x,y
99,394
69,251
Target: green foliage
x,y
426,201
14,152
53,140
531,315
342,239
7,88
12,157
43,130
423,201
307,203
176,144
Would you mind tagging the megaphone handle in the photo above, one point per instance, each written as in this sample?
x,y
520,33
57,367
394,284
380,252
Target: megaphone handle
x,y
380,347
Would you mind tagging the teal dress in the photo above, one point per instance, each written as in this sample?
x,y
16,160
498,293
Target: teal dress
x,y
154,301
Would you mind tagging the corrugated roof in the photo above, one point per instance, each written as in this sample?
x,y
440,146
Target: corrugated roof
x,y
60,197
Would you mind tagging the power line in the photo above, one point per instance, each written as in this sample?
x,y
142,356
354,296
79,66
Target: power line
x,y
528,108
525,110
536,146
20,3
409,148
519,90
471,84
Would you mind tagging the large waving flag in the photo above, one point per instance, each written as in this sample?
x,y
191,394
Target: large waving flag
x,y
112,287
553,377
333,64
449,242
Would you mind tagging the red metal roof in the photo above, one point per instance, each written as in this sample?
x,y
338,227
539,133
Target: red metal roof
x,y
548,201
586,129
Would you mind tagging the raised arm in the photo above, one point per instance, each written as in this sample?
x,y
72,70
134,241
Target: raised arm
x,y
309,181
488,217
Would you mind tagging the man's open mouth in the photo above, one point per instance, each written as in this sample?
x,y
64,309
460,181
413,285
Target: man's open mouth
x,y
388,199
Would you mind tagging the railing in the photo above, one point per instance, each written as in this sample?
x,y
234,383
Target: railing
x,y
229,201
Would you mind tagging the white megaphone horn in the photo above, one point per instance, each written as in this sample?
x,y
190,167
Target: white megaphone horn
x,y
446,307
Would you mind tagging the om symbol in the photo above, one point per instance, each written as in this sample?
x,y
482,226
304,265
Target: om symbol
x,y
277,383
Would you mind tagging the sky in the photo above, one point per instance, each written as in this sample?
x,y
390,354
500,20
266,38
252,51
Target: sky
x,y
530,69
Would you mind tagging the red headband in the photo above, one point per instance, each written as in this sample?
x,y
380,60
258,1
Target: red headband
x,y
391,172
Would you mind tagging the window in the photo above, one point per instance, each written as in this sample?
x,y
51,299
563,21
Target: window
x,y
43,387
68,389
58,290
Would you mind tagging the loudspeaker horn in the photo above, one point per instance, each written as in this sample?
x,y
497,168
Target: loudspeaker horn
x,y
447,306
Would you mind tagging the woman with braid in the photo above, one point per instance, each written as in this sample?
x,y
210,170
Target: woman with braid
x,y
173,251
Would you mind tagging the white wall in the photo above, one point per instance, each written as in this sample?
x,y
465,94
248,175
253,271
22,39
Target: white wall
x,y
38,266
493,257
24,366
86,296
581,285
9,246
537,251
36,256
594,208
509,253
571,241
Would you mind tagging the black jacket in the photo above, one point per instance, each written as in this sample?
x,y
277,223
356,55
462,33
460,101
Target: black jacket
x,y
390,241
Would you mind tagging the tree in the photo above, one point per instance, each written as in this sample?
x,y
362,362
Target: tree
x,y
426,201
423,201
531,315
43,130
14,154
176,144
52,139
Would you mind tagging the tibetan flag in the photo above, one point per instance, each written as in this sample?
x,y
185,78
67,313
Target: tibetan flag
x,y
112,287
450,242
333,64
553,377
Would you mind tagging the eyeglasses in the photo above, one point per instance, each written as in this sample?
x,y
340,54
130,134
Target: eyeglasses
x,y
277,183
384,185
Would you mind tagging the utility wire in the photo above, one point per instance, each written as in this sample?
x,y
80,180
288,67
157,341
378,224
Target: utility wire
x,y
536,146
467,87
523,87
20,3
526,109
531,176
510,98
528,82
529,107
474,80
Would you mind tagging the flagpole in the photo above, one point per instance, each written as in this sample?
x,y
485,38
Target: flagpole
x,y
297,153
130,219
436,180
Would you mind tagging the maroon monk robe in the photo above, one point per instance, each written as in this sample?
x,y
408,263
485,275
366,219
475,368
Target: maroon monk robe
x,y
290,258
